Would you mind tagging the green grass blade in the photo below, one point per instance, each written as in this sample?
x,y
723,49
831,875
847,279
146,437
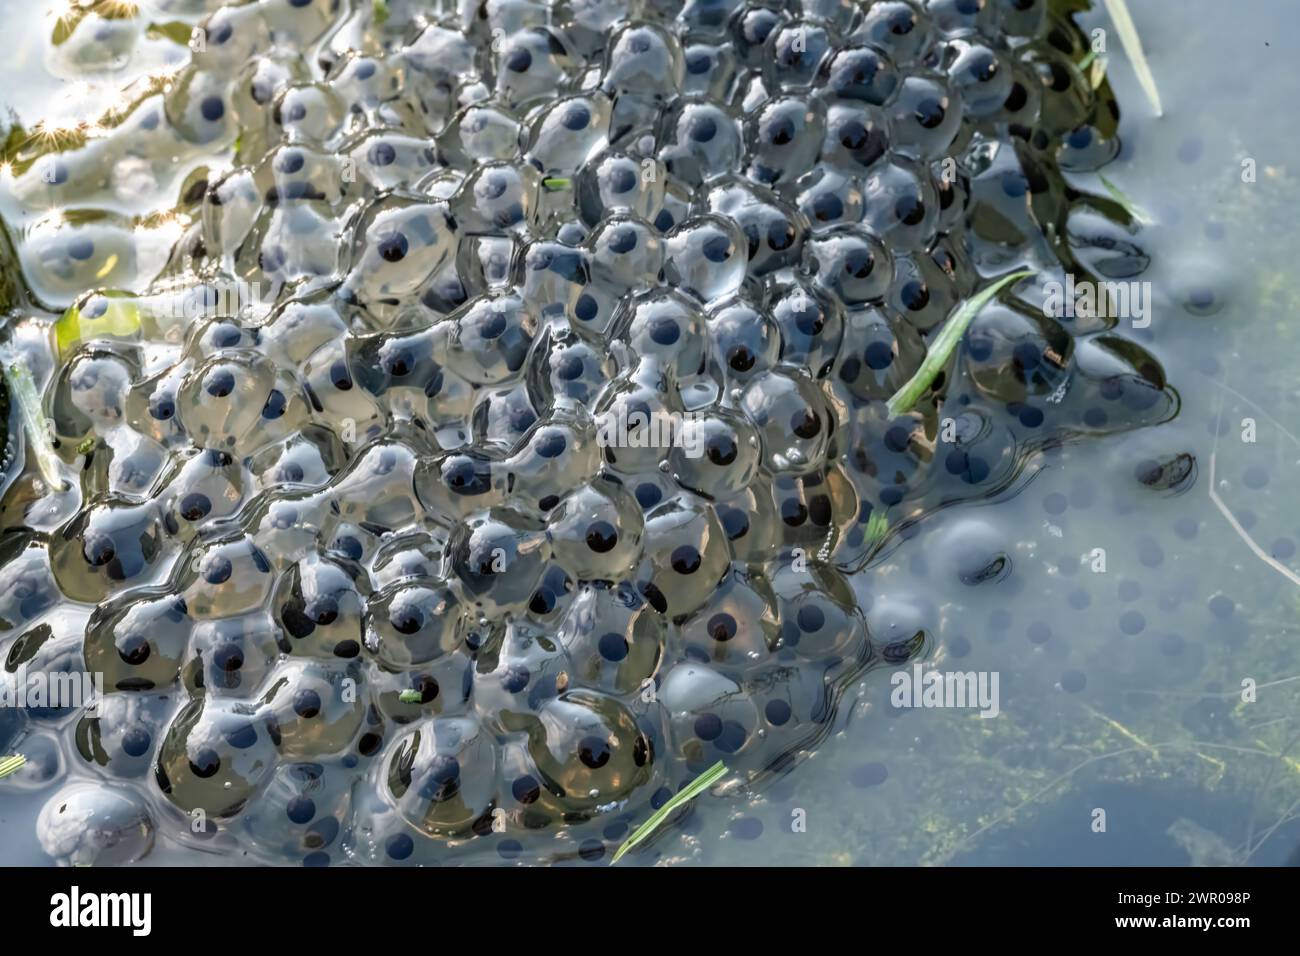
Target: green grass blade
x,y
23,391
945,344
690,792
11,764
1128,35
877,528
1130,207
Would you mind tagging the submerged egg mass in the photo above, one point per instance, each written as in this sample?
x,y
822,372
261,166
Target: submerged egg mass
x,y
492,448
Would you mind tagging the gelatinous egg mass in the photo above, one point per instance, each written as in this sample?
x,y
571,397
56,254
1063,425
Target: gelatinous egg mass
x,y
472,418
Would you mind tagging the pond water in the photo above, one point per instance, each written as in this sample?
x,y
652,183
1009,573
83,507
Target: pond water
x,y
1141,622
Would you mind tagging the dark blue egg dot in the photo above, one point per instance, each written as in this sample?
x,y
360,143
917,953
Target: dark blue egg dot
x,y
591,850
393,247
1073,681
622,241
665,331
827,207
702,128
212,109
777,712
1132,622
219,383
195,506
869,775
569,367
722,627
550,444
734,522
708,727
717,248
622,180
1172,645
613,647
399,846
1150,553
136,741
586,308
300,810
161,406
732,738
518,60
594,751
1055,503
811,618
526,789
576,117
510,849
648,495
382,154
81,249
1014,184
1222,606
747,828
217,570
241,738
515,678
685,559
306,703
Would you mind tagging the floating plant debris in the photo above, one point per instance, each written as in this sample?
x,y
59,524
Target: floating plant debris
x,y
1128,34
1132,208
679,799
22,392
940,351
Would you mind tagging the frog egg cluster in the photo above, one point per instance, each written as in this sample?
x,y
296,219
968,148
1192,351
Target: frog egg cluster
x,y
358,558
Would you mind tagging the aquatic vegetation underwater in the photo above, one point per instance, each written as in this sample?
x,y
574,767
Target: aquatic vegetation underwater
x,y
447,431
